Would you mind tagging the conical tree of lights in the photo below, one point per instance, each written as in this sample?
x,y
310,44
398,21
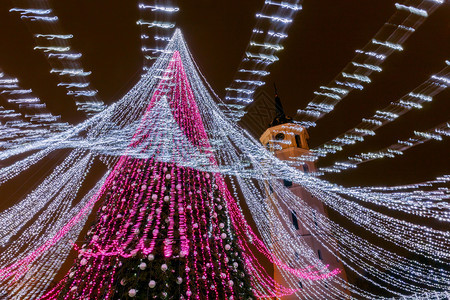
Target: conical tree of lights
x,y
166,231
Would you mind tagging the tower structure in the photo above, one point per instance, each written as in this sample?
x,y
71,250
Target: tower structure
x,y
288,141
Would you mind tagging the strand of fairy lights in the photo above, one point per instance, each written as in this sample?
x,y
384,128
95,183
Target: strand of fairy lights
x,y
39,119
437,133
302,219
56,215
351,239
355,75
424,93
65,62
333,231
157,26
268,35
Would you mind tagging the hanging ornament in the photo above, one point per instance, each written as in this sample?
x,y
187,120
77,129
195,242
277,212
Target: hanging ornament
x,y
152,284
132,293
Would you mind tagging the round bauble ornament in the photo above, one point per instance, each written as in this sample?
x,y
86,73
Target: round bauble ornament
x,y
142,266
164,267
179,280
83,262
151,257
132,293
166,198
227,247
231,283
152,284
154,196
223,235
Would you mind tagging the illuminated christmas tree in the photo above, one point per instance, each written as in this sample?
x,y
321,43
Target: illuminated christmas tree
x,y
163,231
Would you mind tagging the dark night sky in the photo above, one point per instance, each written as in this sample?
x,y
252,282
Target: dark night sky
x,y
322,40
